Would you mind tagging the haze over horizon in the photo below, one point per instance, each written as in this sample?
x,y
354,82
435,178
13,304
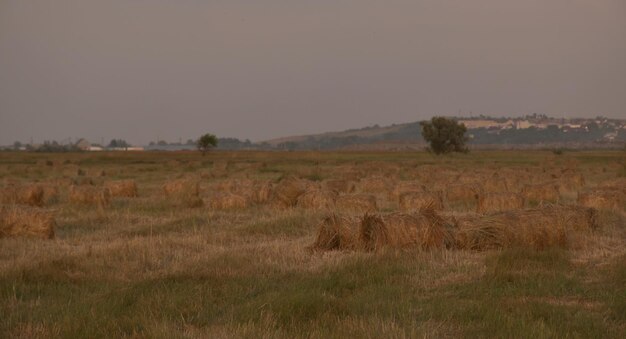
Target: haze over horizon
x,y
138,69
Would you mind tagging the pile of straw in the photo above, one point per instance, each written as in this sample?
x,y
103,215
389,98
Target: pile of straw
x,y
337,233
26,221
287,191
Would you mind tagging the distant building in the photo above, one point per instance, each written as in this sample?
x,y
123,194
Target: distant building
x,y
83,145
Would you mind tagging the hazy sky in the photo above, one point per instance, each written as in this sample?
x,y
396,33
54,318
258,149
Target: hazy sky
x,y
142,69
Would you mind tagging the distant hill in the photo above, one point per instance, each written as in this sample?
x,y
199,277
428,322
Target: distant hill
x,y
533,131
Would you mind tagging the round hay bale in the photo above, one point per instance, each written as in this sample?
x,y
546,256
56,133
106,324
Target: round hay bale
x,y
546,192
360,203
339,186
411,202
89,195
227,200
51,193
122,188
18,221
337,233
317,199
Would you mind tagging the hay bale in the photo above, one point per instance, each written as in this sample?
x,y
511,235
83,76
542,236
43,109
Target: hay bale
x,y
498,202
122,188
26,221
545,192
571,181
183,192
425,230
411,202
339,186
317,199
32,195
287,191
360,203
603,199
337,233
227,200
89,195
493,184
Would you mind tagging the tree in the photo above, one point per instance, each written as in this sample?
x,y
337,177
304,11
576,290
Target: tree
x,y
206,142
444,135
118,143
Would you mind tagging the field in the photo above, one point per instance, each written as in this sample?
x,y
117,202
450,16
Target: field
x,y
313,244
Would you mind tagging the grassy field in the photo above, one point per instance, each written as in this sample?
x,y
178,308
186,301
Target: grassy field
x,y
151,266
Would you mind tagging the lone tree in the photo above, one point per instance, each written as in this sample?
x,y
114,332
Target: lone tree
x,y
444,135
206,142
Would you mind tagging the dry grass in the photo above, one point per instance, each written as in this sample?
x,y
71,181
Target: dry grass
x,y
122,188
425,230
337,233
411,202
227,201
32,195
603,199
89,195
183,192
339,186
545,192
19,221
498,202
286,192
317,199
360,203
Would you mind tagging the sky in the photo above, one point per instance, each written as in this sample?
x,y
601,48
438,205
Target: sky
x,y
144,70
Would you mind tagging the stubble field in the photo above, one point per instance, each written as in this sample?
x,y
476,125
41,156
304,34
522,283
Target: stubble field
x,y
313,244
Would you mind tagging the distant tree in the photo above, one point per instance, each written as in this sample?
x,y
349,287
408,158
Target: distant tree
x,y
17,145
206,142
444,135
118,143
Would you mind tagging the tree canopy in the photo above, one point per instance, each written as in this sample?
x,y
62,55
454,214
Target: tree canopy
x,y
444,135
206,142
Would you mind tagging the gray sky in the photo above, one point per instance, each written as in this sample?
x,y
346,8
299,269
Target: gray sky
x,y
142,69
